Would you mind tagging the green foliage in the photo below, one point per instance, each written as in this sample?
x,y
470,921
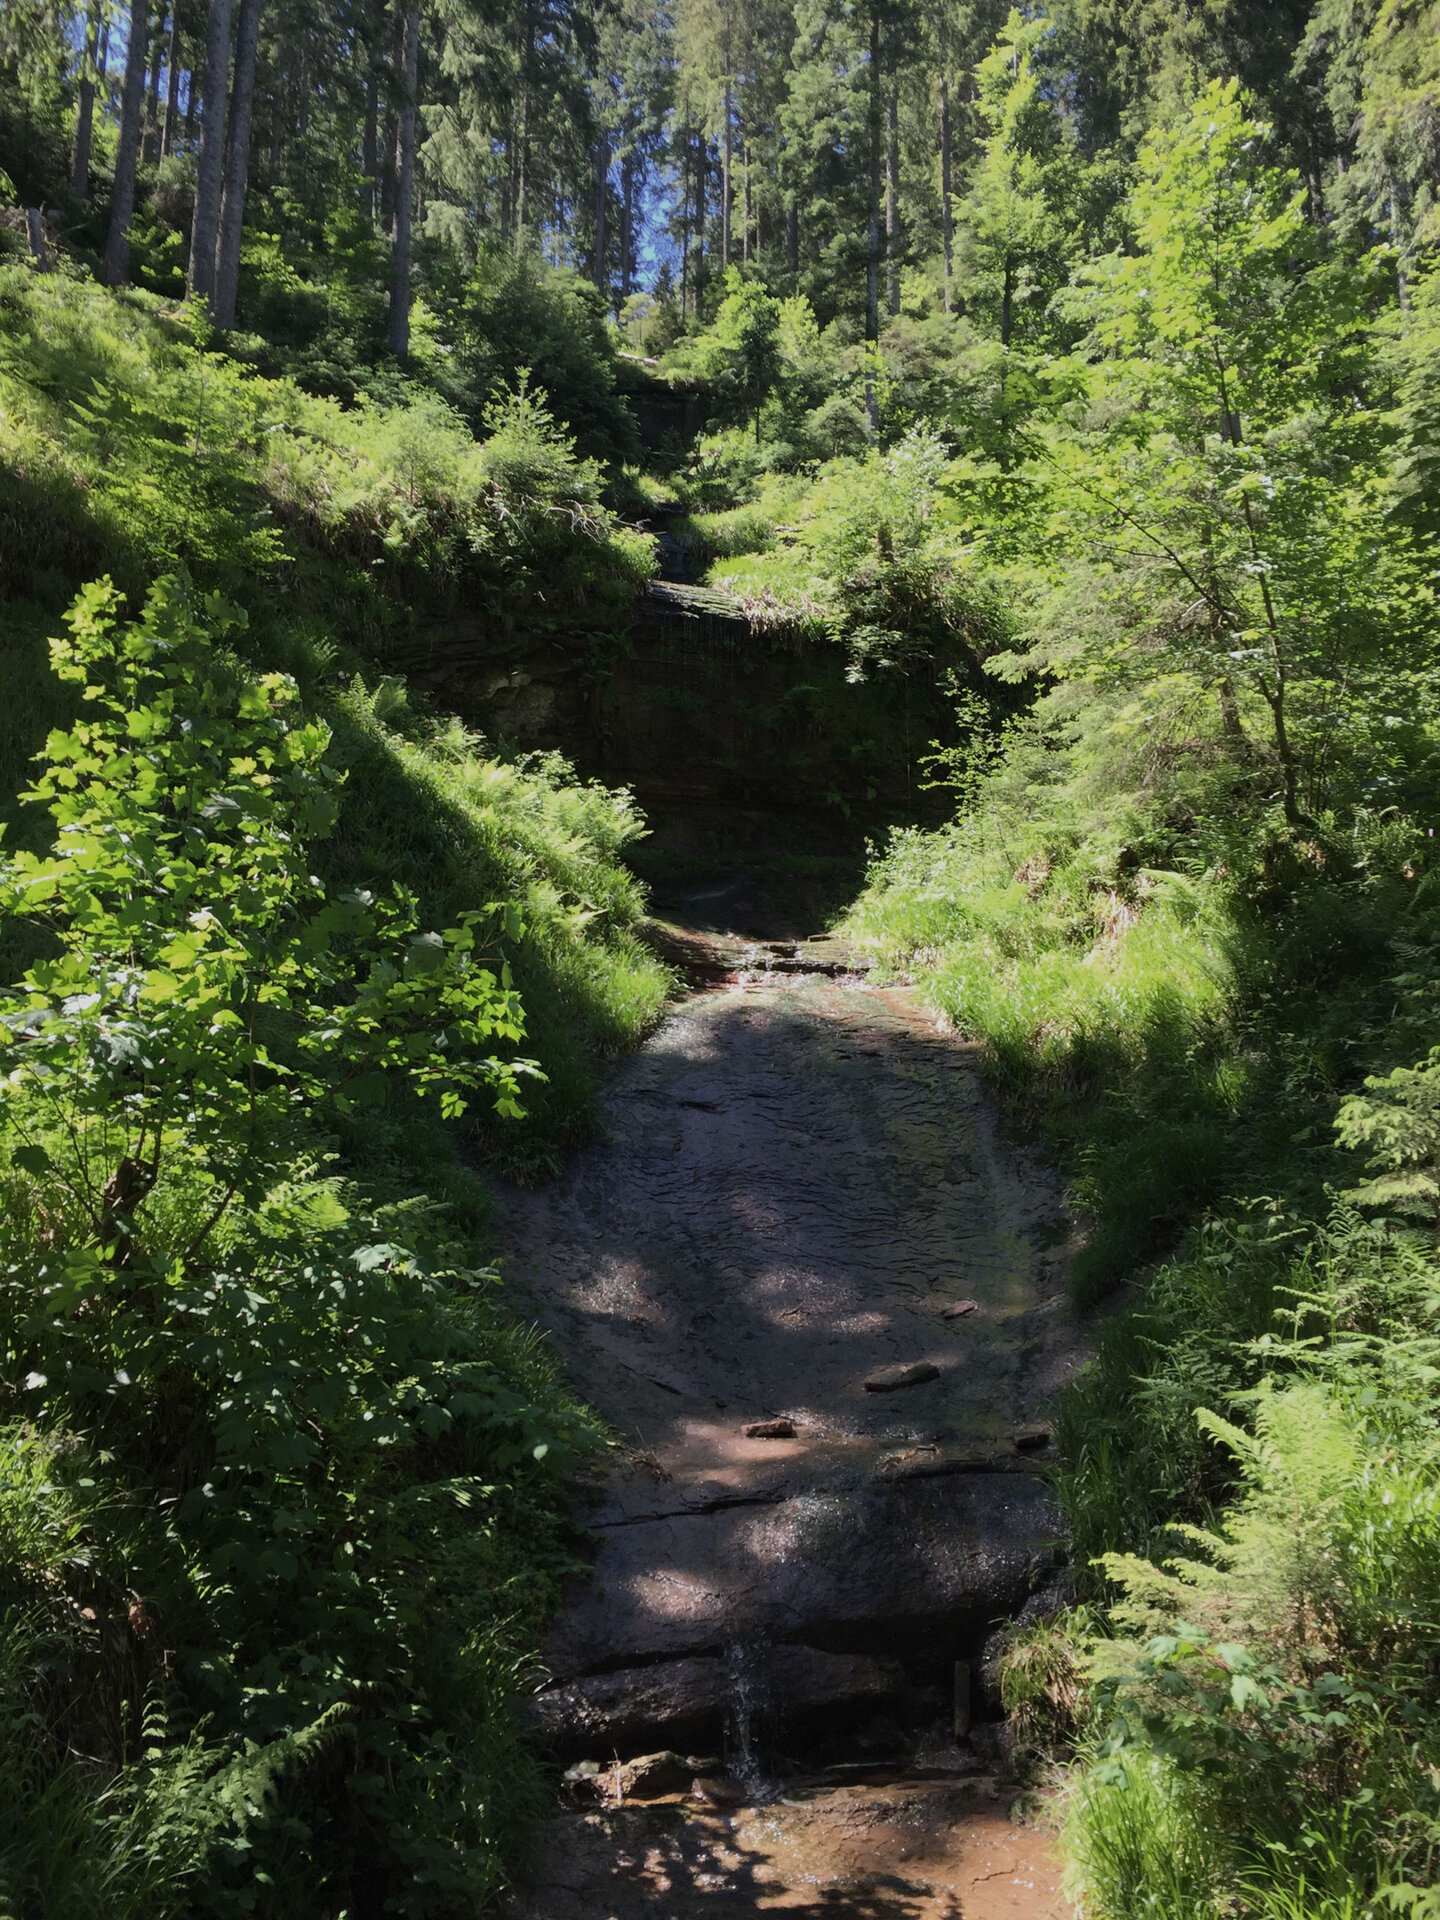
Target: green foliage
x,y
190,937
1017,222
718,536
274,1426
1042,1678
1225,501
649,324
1398,1119
1188,911
517,312
1141,468
129,447
877,561
133,447
1269,1697
739,354
428,809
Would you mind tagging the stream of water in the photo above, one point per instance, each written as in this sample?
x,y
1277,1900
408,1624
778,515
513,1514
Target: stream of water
x,y
819,1300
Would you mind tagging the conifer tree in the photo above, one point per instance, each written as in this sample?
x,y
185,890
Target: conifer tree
x,y
409,85
210,163
237,167
115,267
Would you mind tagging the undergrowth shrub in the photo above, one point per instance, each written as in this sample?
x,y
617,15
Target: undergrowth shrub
x,y
1268,1698
127,445
714,536
279,1508
133,444
869,555
427,807
1254,1706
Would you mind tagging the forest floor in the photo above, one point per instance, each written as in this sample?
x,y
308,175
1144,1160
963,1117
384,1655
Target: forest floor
x,y
799,1212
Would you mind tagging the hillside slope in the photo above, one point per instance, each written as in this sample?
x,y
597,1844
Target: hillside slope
x,y
282,1501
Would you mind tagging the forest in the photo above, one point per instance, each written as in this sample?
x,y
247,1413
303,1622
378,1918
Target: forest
x,y
1078,364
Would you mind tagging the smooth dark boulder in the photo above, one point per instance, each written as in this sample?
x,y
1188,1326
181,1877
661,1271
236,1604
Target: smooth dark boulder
x,y
879,1567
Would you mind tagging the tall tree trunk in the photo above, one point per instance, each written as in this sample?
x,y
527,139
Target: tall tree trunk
x,y
745,230
872,220
892,197
237,167
602,195
872,223
627,225
150,142
404,183
684,222
277,124
369,157
115,268
210,164
35,235
85,107
386,182
947,217
507,191
172,85
522,172
527,65
302,118
702,163
725,180
792,236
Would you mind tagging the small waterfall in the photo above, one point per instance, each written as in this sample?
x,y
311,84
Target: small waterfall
x,y
748,1704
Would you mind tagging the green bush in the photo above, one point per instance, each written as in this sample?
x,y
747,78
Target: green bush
x,y
718,536
1266,1721
871,553
427,808
515,314
128,445
280,1505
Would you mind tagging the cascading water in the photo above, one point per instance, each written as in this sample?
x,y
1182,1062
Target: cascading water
x,y
746,1706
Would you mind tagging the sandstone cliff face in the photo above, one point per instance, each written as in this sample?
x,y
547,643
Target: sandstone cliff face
x,y
696,711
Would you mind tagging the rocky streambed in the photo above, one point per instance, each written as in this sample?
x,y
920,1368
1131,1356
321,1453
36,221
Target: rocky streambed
x,y
820,1303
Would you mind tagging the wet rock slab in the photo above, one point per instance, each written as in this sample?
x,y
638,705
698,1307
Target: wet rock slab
x,y
793,1180
891,1379
889,1563
709,957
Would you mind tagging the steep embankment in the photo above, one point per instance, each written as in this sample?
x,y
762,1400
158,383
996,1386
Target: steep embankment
x,y
129,448
281,1482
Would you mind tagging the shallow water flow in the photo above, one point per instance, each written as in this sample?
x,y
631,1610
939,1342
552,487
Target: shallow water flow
x,y
822,1495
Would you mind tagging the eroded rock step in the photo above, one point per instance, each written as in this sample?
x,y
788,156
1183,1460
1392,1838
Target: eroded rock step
x,y
915,1572
794,1181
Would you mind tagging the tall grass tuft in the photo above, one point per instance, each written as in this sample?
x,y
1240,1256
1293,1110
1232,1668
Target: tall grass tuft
x,y
1100,995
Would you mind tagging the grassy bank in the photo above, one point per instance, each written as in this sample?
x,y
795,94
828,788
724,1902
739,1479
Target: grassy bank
x,y
1190,909
129,447
282,1508
1230,1052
